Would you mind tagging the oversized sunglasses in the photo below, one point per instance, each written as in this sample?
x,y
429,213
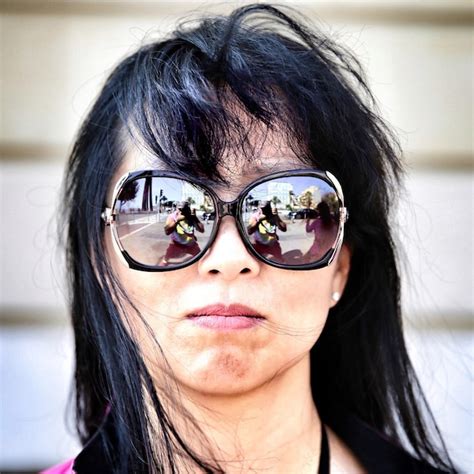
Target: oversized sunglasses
x,y
161,221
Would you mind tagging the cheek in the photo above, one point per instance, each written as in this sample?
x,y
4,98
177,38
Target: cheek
x,y
303,307
307,295
154,294
148,290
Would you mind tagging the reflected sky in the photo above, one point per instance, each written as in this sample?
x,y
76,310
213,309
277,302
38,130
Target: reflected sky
x,y
178,190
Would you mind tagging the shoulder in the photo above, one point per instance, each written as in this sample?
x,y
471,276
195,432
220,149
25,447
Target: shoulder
x,y
93,457
62,468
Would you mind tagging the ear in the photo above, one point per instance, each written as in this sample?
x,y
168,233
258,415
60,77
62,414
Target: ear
x,y
341,273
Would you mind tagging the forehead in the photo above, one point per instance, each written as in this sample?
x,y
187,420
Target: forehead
x,y
267,156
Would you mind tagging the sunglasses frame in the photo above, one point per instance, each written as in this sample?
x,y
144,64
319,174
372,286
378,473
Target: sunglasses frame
x,y
222,209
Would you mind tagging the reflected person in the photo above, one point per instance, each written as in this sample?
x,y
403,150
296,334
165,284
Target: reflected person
x,y
180,226
324,229
263,224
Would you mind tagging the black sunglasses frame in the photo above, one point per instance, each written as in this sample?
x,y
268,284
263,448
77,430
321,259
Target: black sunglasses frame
x,y
227,208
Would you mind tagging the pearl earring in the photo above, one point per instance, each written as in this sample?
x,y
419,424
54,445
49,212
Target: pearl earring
x,y
336,296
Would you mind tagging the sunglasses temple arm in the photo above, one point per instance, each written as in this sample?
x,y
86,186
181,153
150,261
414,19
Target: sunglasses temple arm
x,y
109,219
107,216
344,215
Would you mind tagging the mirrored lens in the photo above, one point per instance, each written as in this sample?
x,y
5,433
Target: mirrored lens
x,y
292,220
163,222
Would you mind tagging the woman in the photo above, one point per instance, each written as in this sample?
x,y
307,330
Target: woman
x,y
264,225
227,359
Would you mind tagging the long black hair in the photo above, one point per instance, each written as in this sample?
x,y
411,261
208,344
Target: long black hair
x,y
174,98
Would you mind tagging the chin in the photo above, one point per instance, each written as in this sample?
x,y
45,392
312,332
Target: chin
x,y
223,373
222,388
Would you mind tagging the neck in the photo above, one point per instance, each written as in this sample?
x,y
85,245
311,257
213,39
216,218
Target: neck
x,y
272,428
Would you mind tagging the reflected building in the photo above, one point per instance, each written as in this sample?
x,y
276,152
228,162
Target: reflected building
x,y
259,194
310,197
281,191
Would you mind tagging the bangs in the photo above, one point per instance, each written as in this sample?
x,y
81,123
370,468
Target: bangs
x,y
198,109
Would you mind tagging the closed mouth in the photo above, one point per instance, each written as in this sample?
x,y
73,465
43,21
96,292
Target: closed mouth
x,y
232,310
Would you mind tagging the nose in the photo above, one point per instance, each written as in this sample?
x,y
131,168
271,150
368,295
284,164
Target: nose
x,y
228,256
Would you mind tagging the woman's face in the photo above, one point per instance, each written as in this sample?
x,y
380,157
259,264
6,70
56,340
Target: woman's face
x,y
294,304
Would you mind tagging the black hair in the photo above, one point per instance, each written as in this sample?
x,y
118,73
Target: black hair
x,y
174,97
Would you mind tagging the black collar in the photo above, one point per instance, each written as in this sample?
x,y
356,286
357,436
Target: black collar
x,y
375,451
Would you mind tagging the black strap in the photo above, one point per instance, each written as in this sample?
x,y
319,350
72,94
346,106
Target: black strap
x,y
324,454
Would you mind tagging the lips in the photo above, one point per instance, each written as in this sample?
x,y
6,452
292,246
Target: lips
x,y
226,317
226,310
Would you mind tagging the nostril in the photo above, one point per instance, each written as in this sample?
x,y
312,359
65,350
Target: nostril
x,y
244,270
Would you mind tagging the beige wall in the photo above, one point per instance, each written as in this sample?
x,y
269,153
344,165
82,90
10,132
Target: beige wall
x,y
54,56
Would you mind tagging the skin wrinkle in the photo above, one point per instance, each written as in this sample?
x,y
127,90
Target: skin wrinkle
x,y
237,386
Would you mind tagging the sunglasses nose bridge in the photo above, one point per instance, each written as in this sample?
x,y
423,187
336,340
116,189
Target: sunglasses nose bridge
x,y
227,208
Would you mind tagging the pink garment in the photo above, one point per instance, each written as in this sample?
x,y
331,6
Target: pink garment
x,y
63,468
66,466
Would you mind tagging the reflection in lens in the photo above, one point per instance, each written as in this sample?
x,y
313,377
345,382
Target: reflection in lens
x,y
163,221
292,220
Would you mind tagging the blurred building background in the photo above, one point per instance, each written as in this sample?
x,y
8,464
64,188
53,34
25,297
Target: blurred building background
x,y
54,56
